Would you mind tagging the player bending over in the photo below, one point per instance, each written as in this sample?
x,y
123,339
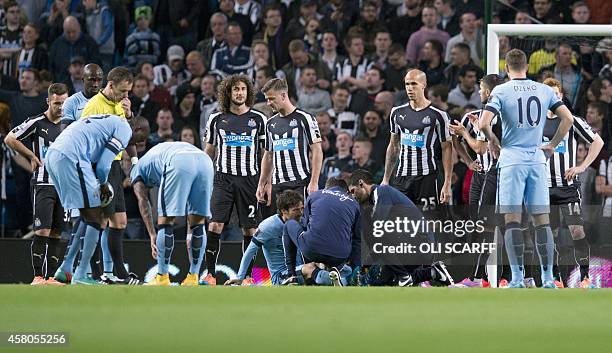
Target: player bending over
x,y
184,175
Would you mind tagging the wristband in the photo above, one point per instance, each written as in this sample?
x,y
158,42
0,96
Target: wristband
x,y
134,160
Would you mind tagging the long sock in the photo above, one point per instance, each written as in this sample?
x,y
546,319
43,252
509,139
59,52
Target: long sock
x,y
165,245
582,254
246,240
481,263
196,250
213,245
90,241
290,250
515,248
74,246
96,261
53,255
107,260
39,252
545,246
115,245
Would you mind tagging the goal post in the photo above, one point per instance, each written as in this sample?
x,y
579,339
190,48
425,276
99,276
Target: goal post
x,y
492,67
540,30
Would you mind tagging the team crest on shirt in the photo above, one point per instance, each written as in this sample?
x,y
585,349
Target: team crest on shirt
x,y
426,120
293,123
252,123
401,116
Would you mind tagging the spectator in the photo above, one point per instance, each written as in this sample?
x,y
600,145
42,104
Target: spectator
x,y
367,26
375,78
296,26
70,44
207,99
504,47
142,45
328,136
568,74
247,29
543,57
32,54
274,36
449,20
299,59
362,159
544,12
471,35
10,37
249,8
460,56
432,64
352,70
262,75
466,91
474,6
382,43
338,165
159,94
52,21
75,80
342,118
142,102
581,14
597,117
8,83
173,73
312,36
186,112
261,58
507,14
32,9
176,22
164,121
338,17
311,98
235,58
428,31
438,95
218,27
397,68
383,103
376,134
330,56
190,135
403,26
100,25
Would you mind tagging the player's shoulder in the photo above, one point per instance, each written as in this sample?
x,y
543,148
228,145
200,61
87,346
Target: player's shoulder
x,y
437,111
401,107
303,114
216,115
259,114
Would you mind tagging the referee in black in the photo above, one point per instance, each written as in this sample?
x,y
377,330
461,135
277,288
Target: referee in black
x,y
290,135
416,128
31,139
234,138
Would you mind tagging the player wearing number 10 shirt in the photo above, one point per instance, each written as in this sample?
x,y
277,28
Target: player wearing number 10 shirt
x,y
522,105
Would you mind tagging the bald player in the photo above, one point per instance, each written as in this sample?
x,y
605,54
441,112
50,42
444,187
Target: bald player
x,y
416,128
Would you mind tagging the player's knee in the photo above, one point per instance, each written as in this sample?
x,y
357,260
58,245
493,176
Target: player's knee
x,y
512,218
118,220
541,219
215,227
577,232
248,232
43,232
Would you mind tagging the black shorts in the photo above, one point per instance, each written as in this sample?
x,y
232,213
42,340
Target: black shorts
x,y
422,189
115,178
230,190
488,198
48,210
565,203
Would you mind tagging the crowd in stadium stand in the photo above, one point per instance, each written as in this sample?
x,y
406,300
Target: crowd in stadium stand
x,y
344,62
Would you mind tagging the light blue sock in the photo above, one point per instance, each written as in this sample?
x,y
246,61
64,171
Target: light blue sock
x,y
165,245
107,260
92,233
74,246
545,245
196,253
515,247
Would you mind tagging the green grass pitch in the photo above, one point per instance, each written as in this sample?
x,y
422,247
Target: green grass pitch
x,y
311,319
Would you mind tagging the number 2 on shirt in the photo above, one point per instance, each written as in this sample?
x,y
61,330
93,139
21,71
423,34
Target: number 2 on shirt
x,y
528,113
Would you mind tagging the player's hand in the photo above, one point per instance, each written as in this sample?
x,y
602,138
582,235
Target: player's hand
x,y
548,149
445,194
457,129
126,104
475,166
264,194
312,187
494,149
153,245
35,163
571,173
235,281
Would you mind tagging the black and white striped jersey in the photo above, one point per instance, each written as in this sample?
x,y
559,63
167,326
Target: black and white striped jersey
x,y
565,153
289,138
38,133
419,132
486,160
238,140
605,171
346,69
